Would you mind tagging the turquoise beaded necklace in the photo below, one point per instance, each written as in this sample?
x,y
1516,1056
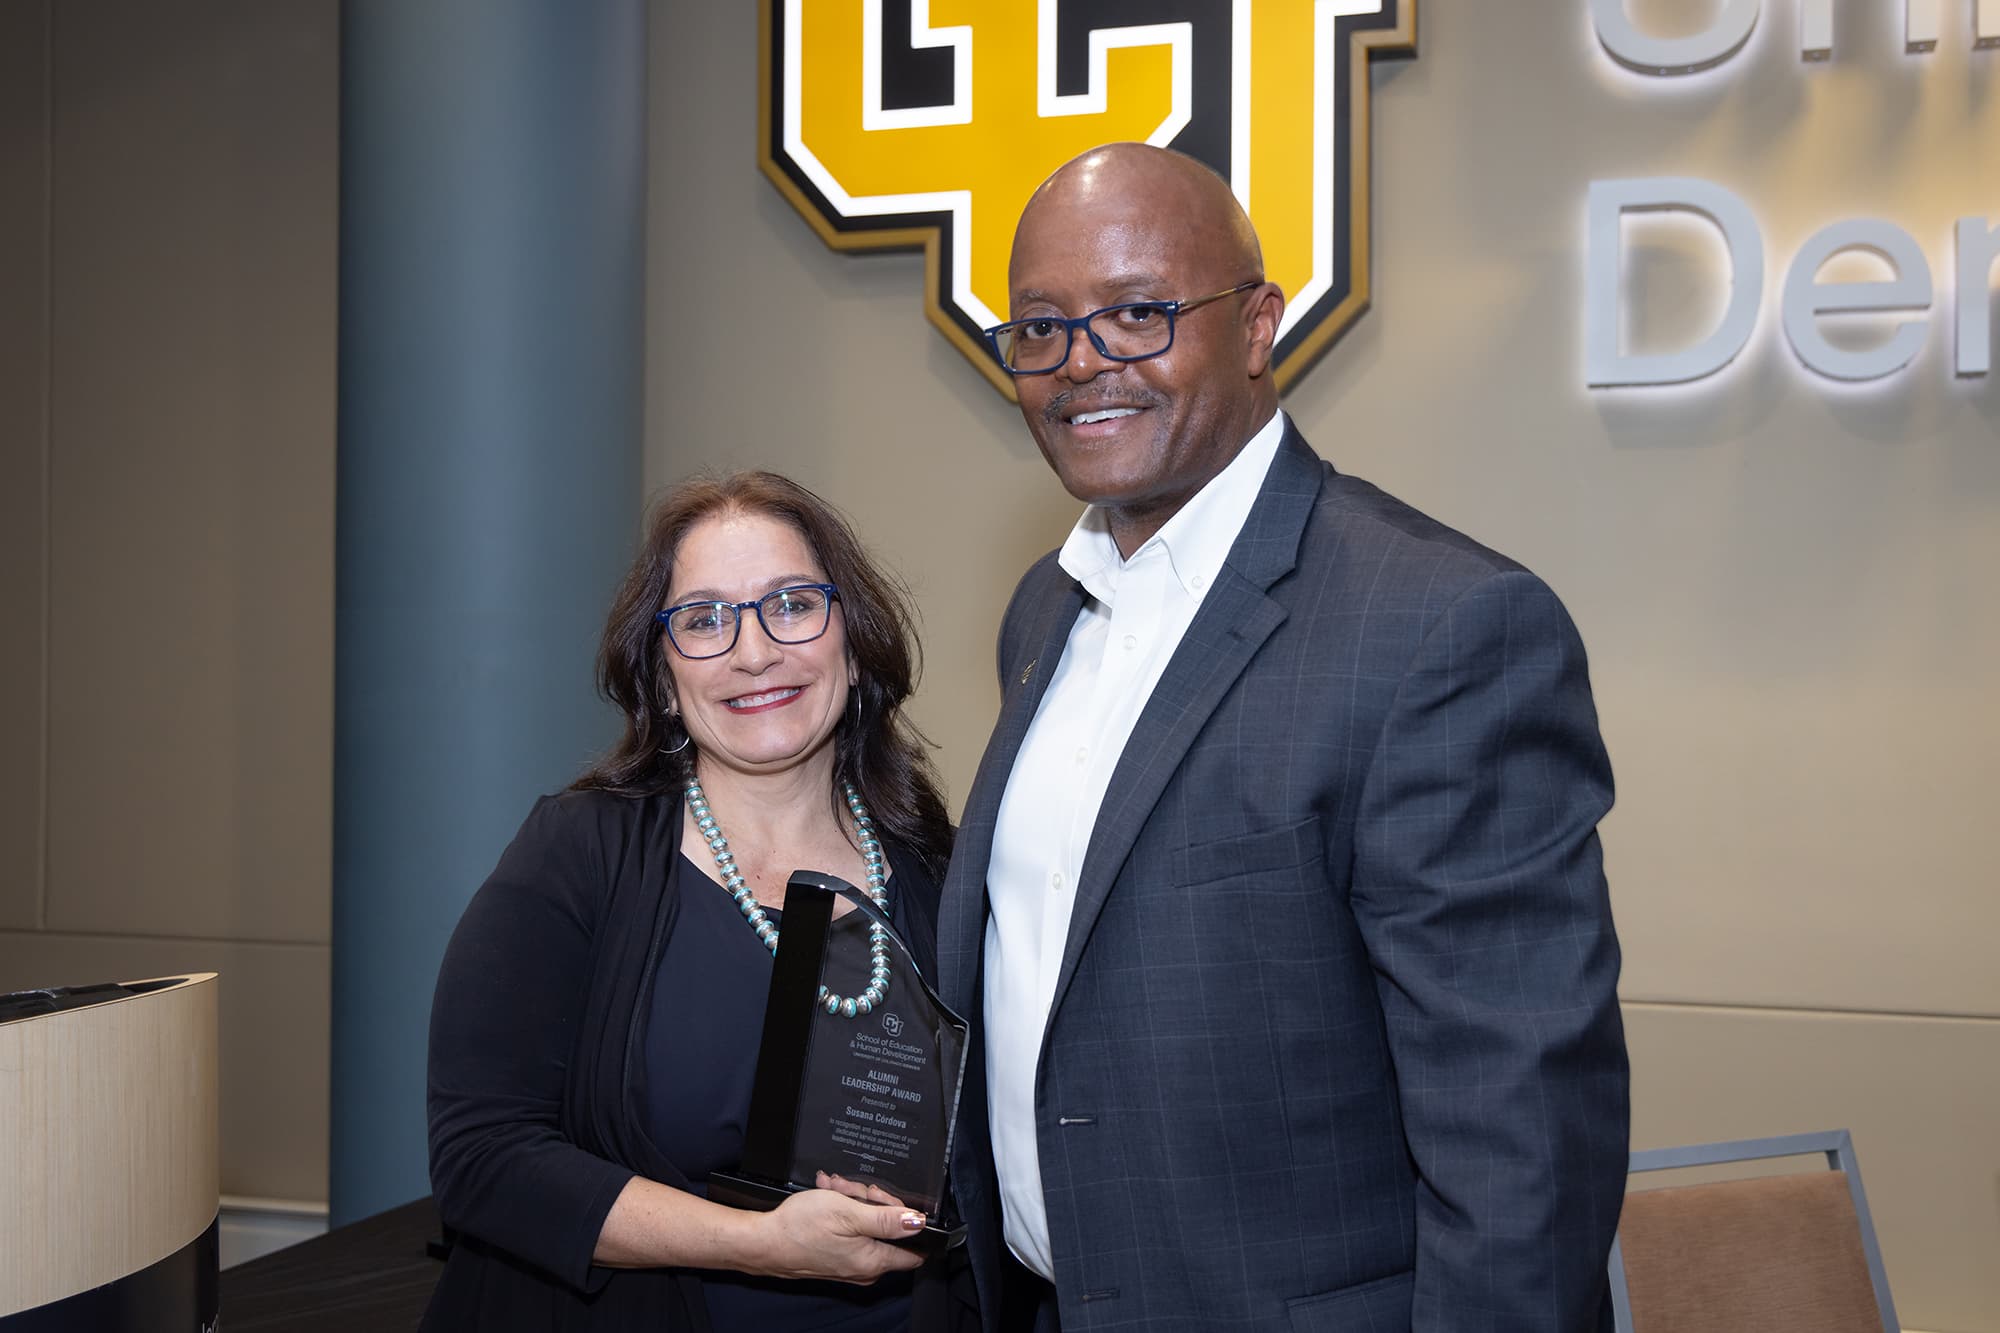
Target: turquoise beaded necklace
x,y
767,931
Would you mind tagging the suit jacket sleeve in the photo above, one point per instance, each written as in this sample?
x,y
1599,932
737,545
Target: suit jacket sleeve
x,y
1479,886
504,1021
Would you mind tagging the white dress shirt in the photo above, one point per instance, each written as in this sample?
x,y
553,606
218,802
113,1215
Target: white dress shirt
x,y
1132,621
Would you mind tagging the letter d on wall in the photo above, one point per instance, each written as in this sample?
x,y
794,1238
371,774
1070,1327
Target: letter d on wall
x,y
1604,365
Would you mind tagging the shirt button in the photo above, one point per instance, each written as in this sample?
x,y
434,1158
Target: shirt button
x,y
1082,754
1056,881
1199,582
1131,642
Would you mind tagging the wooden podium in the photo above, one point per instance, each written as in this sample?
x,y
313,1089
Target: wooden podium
x,y
108,1180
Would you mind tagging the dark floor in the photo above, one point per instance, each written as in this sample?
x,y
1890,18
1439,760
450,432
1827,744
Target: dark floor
x,y
374,1274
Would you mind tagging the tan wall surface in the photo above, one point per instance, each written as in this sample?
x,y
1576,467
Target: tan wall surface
x,y
23,453
1782,584
186,160
191,518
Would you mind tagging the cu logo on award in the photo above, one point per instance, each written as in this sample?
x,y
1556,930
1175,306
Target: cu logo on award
x,y
928,124
892,1025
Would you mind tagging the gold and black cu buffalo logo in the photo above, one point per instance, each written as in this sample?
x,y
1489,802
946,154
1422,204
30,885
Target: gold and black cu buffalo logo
x,y
906,123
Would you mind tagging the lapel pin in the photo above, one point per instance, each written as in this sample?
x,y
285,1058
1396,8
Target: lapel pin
x,y
1028,670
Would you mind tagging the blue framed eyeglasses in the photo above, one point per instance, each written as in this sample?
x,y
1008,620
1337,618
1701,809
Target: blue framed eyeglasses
x,y
798,613
1133,331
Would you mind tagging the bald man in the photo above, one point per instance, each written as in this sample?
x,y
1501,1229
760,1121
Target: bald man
x,y
1278,895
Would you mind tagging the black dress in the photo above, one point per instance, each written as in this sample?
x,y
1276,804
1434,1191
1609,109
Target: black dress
x,y
541,1097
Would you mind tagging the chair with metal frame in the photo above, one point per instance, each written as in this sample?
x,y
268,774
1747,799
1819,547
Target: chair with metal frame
x,y
1791,1253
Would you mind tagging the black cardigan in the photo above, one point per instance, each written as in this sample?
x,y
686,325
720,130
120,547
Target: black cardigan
x,y
535,1063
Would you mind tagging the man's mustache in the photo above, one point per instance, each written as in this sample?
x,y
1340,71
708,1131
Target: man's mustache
x,y
1062,404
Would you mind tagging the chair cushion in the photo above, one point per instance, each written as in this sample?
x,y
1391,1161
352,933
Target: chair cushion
x,y
1774,1254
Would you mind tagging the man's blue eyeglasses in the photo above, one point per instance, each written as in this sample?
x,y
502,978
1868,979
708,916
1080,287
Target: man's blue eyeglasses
x,y
1133,331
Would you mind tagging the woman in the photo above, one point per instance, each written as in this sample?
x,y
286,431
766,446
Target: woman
x,y
600,1007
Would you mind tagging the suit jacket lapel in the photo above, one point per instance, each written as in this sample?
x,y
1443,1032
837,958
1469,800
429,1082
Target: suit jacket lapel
x,y
1234,620
962,912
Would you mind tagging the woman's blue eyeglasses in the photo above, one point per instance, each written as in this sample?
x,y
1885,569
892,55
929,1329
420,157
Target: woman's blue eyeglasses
x,y
799,613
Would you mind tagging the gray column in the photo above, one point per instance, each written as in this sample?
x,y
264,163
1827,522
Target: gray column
x,y
491,333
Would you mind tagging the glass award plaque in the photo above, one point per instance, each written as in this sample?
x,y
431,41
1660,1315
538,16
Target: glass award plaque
x,y
870,1098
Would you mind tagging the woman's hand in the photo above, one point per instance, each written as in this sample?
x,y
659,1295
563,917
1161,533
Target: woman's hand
x,y
823,1233
820,1233
854,1189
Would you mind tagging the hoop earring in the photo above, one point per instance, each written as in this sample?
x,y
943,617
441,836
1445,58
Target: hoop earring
x,y
686,736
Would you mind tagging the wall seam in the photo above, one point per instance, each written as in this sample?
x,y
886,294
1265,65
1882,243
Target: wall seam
x,y
1832,1011
48,440
142,937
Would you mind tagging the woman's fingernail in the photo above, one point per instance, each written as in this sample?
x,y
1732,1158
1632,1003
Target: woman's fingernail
x,y
913,1221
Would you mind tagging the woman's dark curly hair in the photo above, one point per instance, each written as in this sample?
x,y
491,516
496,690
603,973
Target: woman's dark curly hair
x,y
877,748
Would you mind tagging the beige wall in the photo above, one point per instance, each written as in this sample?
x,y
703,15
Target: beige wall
x,y
1783,587
167,178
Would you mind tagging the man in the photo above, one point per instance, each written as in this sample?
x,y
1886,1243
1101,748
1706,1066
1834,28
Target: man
x,y
1278,895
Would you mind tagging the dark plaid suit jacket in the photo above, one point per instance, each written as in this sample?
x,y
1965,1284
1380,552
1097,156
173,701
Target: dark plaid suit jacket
x,y
1335,1043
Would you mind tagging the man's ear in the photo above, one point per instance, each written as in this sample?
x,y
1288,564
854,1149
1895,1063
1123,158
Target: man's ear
x,y
1266,313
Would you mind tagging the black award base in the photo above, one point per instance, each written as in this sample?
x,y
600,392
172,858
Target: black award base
x,y
762,1196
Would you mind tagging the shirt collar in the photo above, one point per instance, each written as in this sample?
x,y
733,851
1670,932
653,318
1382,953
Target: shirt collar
x,y
1196,539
